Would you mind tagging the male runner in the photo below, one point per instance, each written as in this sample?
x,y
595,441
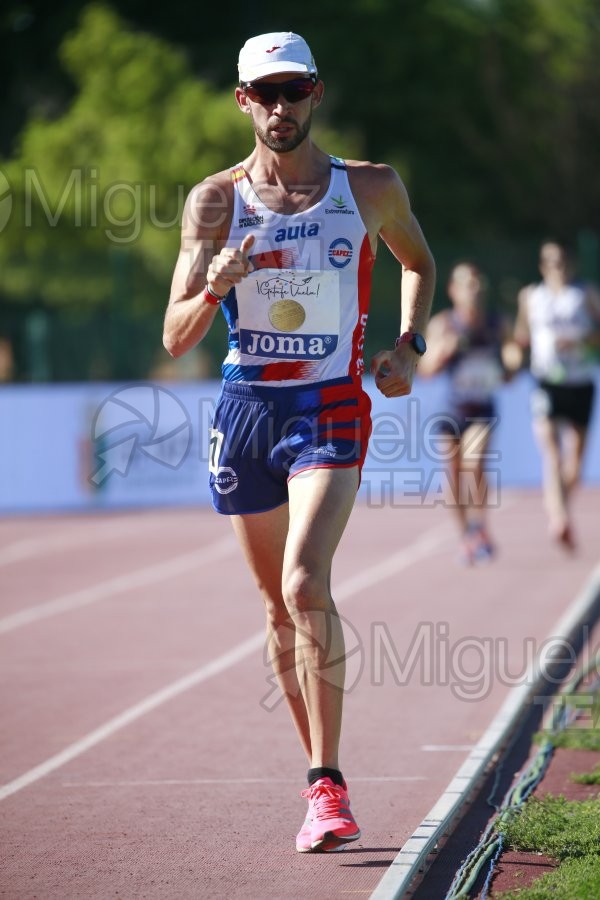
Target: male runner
x,y
284,243
559,319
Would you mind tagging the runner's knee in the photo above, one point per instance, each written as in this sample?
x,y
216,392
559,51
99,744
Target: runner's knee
x,y
305,592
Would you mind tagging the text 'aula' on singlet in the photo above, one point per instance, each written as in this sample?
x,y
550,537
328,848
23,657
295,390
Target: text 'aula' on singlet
x,y
301,315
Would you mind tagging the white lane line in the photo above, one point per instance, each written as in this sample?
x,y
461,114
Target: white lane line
x,y
445,748
87,533
426,543
191,781
424,546
437,824
162,571
218,665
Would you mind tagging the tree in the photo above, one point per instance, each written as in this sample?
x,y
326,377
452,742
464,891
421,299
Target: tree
x,y
109,177
488,107
111,174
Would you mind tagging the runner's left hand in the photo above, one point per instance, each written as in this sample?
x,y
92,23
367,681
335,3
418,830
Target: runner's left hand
x,y
394,370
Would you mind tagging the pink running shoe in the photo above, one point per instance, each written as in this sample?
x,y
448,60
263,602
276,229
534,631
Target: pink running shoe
x,y
304,840
329,810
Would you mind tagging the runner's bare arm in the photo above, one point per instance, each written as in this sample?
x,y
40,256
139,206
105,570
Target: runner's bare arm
x,y
522,334
513,350
388,207
203,262
402,234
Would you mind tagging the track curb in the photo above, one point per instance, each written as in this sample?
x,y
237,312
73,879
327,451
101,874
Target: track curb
x,y
413,859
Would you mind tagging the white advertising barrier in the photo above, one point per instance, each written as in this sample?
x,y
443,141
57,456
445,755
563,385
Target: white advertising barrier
x,y
94,446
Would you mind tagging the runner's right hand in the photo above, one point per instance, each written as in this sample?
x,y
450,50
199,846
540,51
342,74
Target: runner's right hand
x,y
229,266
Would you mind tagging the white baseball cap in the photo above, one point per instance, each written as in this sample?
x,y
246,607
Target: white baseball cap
x,y
269,54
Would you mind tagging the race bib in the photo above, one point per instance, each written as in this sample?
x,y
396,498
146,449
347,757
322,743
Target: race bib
x,y
289,314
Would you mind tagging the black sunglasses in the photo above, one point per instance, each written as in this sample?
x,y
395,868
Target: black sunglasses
x,y
267,93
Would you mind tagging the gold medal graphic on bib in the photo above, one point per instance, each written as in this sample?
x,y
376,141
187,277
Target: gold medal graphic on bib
x,y
287,315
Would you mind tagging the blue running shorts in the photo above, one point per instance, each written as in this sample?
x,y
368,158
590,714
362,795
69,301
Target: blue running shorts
x,y
263,436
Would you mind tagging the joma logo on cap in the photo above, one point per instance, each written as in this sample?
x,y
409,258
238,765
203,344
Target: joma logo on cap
x,y
272,48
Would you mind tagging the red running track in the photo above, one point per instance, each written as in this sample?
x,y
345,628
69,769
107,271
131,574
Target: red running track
x,y
144,754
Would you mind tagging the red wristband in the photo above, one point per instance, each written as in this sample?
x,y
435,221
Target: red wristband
x,y
211,297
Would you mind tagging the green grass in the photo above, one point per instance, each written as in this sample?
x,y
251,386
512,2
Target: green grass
x,y
565,830
574,738
588,777
574,879
558,827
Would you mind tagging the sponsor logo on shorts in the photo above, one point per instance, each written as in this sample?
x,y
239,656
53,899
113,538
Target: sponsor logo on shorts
x,y
226,480
340,253
326,450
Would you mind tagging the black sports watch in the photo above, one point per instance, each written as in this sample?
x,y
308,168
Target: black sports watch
x,y
416,341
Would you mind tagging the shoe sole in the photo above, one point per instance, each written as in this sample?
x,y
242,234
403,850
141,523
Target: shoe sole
x,y
324,848
332,840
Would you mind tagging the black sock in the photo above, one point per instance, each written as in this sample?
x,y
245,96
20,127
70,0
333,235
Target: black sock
x,y
324,772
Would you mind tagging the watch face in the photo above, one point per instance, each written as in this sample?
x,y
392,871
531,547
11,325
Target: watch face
x,y
418,342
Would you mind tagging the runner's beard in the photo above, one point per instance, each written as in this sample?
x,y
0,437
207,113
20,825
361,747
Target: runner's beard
x,y
285,144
